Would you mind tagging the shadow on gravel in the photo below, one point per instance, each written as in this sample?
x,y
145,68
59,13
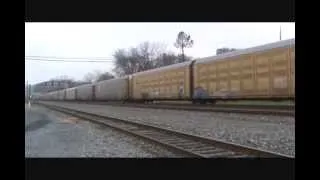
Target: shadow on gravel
x,y
36,125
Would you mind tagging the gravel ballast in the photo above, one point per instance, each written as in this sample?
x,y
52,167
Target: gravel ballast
x,y
52,134
273,133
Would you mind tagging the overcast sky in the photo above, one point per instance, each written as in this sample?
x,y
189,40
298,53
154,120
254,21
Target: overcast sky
x,y
89,40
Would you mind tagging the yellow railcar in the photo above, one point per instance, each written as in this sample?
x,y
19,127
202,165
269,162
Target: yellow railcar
x,y
170,82
260,72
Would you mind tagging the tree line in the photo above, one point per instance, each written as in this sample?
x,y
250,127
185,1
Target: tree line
x,y
146,56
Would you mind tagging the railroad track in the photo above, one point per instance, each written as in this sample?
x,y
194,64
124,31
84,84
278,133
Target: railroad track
x,y
191,145
249,109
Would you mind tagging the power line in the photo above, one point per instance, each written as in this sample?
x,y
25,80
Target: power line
x,y
56,60
55,57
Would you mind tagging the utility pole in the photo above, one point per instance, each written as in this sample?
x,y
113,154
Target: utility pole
x,y
280,33
27,92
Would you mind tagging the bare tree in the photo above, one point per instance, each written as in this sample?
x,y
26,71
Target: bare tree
x,y
166,59
225,50
105,76
124,64
183,41
137,59
89,77
97,75
183,58
148,53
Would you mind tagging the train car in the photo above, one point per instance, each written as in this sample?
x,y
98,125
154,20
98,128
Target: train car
x,y
55,95
70,94
61,95
166,83
262,72
36,97
44,97
85,92
112,90
49,96
39,97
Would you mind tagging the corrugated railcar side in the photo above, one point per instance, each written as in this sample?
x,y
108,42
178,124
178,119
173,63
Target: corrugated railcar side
x,y
70,94
112,90
61,95
85,92
260,72
166,83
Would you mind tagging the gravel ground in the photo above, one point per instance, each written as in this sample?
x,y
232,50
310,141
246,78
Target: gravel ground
x,y
53,134
274,133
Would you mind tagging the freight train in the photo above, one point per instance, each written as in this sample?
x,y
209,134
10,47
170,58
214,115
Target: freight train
x,y
263,72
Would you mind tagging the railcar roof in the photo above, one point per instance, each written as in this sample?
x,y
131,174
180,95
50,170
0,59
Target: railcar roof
x,y
71,88
174,66
110,80
284,43
84,85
